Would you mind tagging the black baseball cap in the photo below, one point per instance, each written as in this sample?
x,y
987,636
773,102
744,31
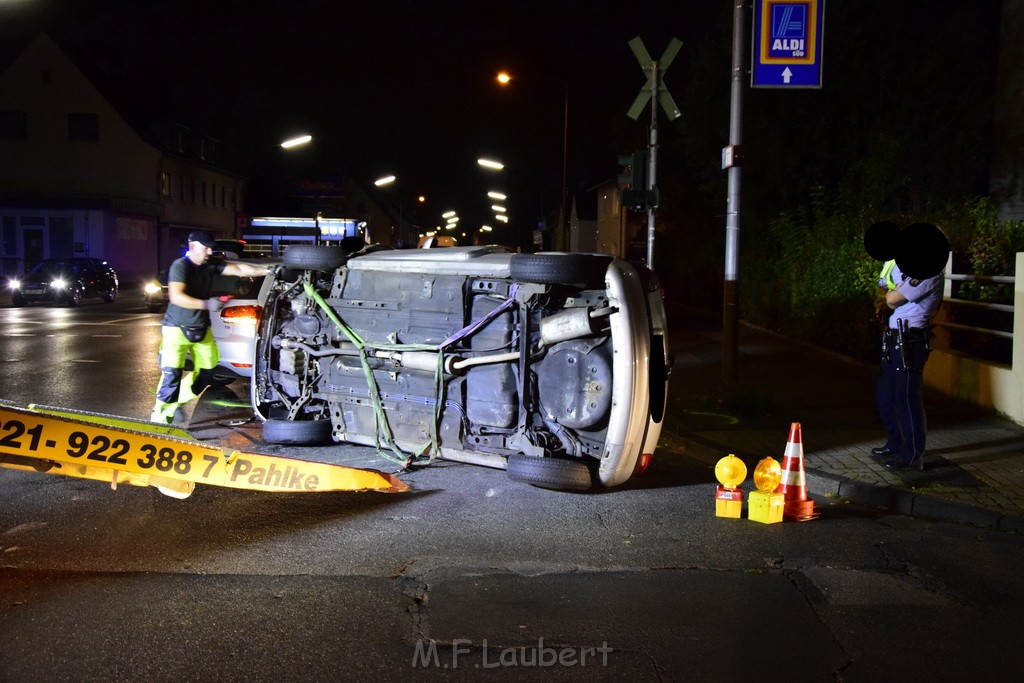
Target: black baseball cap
x,y
203,238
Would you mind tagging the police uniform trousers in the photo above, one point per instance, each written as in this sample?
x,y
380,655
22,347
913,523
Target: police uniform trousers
x,y
899,395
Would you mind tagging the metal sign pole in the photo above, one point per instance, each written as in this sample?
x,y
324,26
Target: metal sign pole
x,y
652,170
730,293
655,91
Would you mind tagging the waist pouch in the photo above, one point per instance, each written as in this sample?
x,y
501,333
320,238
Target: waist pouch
x,y
194,333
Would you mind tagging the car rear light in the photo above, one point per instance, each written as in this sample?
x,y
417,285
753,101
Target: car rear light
x,y
247,314
644,462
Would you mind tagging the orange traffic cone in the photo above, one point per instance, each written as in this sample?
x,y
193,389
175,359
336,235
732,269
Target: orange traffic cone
x,y
793,486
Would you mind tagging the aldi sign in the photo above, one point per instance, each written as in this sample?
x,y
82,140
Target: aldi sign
x,y
787,44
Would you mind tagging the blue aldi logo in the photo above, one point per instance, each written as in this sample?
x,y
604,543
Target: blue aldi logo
x,y
788,26
787,42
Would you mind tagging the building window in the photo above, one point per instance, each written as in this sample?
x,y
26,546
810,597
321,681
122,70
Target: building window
x,y
193,192
10,237
83,126
181,188
165,184
223,196
13,125
204,194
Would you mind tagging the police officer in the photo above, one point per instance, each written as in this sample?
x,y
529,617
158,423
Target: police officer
x,y
186,326
905,349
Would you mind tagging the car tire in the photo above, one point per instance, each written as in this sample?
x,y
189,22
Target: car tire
x,y
297,432
18,300
111,295
74,298
550,473
324,258
557,269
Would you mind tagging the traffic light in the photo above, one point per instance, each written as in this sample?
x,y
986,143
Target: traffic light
x,y
634,170
633,180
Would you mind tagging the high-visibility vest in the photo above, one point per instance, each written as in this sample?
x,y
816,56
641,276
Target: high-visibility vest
x,y
886,274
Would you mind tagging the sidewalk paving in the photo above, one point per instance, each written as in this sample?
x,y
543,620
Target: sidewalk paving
x,y
974,466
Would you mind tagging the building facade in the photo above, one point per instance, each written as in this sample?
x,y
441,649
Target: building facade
x,y
77,179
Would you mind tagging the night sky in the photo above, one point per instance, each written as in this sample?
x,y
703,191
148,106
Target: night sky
x,y
386,86
408,88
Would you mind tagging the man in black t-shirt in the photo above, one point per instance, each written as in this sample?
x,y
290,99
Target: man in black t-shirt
x,y
186,327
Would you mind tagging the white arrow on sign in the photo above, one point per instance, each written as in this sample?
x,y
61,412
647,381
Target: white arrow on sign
x,y
786,75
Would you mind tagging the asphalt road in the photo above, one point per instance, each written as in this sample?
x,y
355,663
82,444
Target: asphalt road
x,y
467,576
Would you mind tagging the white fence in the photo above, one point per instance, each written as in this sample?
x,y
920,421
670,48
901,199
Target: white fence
x,y
988,383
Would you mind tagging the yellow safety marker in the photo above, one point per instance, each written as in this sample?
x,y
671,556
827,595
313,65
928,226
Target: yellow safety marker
x,y
57,443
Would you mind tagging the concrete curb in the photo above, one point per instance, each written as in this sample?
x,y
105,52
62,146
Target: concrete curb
x,y
909,503
899,501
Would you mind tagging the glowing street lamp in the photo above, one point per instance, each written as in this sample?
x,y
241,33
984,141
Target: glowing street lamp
x,y
496,195
295,142
490,163
386,180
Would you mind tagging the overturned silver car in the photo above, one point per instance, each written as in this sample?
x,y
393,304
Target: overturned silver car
x,y
552,366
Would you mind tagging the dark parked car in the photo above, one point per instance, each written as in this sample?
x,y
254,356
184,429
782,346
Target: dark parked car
x,y
65,281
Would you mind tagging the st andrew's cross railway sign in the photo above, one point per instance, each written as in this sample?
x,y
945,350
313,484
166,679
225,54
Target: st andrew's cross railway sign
x,y
787,44
655,72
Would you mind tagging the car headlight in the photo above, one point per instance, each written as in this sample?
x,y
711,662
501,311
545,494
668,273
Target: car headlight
x,y
14,284
58,283
152,287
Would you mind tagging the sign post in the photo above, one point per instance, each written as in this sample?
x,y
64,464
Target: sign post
x,y
654,89
787,42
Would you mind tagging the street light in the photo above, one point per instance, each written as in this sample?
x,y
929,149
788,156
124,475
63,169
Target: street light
x,y
386,180
296,141
490,163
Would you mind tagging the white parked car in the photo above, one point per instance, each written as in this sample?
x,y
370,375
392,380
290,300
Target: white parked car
x,y
552,366
234,325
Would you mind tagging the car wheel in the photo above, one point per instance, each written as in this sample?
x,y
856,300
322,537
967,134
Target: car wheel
x,y
17,300
111,295
298,432
324,258
557,269
550,473
74,298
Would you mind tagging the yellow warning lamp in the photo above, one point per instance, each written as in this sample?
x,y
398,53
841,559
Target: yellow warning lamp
x,y
730,471
767,475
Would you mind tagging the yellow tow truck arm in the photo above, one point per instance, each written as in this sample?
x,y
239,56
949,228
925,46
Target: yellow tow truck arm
x,y
119,450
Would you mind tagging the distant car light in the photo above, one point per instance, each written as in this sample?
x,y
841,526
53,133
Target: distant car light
x,y
59,283
14,284
152,287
